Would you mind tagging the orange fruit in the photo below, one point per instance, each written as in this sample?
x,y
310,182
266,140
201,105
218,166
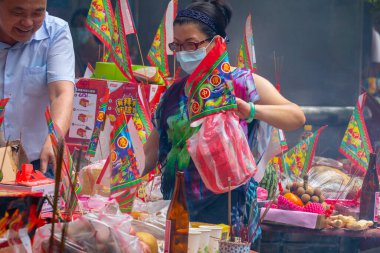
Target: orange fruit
x,y
293,198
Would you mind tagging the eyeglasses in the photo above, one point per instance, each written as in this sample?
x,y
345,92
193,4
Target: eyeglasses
x,y
187,46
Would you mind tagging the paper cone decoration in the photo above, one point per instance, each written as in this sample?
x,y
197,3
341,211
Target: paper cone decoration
x,y
209,88
298,159
356,144
124,173
99,20
100,118
159,51
126,195
247,57
68,173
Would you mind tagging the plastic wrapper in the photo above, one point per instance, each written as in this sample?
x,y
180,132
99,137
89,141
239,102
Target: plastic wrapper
x,y
220,152
108,231
88,176
285,204
329,175
150,217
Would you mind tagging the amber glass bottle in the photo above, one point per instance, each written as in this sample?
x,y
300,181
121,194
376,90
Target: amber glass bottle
x,y
177,219
370,189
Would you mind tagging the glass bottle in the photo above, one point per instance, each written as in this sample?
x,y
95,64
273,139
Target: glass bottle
x,y
370,192
177,219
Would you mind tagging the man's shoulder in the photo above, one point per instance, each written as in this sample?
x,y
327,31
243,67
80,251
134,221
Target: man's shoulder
x,y
50,28
54,24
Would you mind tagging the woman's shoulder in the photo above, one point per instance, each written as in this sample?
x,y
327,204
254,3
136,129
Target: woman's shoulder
x,y
177,85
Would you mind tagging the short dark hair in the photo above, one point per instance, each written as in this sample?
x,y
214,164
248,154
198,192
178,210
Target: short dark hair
x,y
217,10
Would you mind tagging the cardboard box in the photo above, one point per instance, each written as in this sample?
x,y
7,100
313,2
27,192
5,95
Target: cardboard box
x,y
46,189
9,167
294,218
87,95
11,157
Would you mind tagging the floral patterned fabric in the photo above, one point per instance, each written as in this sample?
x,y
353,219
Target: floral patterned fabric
x,y
172,123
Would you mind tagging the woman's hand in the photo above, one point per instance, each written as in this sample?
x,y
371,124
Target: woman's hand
x,y
243,109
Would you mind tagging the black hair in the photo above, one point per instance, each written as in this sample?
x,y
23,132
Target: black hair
x,y
217,10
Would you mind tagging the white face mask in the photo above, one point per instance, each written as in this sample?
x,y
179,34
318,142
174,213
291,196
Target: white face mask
x,y
189,60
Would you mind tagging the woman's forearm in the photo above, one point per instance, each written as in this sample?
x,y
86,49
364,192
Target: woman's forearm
x,y
151,152
285,116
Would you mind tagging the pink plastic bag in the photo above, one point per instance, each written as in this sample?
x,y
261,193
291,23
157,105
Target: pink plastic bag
x,y
220,151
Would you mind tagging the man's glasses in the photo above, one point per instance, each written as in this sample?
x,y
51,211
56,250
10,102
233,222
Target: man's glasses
x,y
187,46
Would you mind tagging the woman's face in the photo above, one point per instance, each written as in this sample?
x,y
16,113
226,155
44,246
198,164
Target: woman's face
x,y
188,33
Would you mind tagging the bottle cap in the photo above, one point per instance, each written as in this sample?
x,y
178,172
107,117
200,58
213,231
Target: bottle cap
x,y
308,128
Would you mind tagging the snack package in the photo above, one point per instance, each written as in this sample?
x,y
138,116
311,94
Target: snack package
x,y
220,152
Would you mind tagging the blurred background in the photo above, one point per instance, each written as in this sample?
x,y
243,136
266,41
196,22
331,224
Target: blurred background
x,y
324,50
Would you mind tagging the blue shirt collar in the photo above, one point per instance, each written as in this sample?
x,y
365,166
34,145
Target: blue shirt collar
x,y
4,45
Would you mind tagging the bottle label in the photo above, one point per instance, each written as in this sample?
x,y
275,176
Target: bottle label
x,y
376,208
168,227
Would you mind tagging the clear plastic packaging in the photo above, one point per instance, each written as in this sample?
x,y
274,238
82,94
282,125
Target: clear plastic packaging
x,y
108,231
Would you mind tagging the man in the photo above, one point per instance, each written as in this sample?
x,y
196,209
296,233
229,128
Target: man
x,y
36,70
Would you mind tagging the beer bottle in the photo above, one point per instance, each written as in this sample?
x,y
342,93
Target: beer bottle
x,y
177,219
370,192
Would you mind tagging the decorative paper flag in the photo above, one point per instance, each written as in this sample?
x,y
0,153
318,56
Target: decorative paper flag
x,y
124,173
119,49
141,118
106,55
298,159
247,57
283,144
356,144
51,129
158,53
209,88
3,103
126,16
89,71
99,20
98,125
68,175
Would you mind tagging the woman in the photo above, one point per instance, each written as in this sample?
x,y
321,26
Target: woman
x,y
194,31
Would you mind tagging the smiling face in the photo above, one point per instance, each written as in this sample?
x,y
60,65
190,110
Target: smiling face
x,y
20,19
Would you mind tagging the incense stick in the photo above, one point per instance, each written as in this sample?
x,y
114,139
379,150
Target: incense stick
x,y
52,204
60,151
262,217
141,56
2,162
229,207
69,205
